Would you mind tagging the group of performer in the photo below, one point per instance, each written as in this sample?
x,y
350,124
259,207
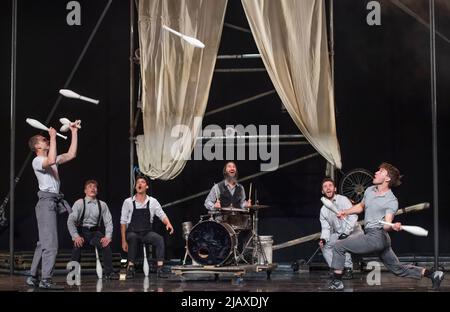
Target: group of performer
x,y
338,240
86,215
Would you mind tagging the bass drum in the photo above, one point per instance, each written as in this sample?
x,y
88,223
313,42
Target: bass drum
x,y
211,243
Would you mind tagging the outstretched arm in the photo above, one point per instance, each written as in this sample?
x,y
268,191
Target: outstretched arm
x,y
356,209
51,156
72,152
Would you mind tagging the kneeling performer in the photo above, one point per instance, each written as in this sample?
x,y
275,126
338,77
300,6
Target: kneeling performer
x,y
334,229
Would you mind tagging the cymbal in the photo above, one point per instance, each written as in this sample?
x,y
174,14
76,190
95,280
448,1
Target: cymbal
x,y
258,206
232,209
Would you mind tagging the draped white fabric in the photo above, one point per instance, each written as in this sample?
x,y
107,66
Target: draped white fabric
x,y
291,37
176,78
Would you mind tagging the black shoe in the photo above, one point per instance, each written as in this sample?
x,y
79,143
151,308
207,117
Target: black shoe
x,y
161,274
436,279
348,274
112,276
130,272
47,284
336,284
32,281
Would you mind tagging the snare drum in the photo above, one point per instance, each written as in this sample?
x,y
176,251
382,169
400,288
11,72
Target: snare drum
x,y
239,218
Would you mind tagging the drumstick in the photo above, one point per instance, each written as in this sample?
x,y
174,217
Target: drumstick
x,y
415,230
36,124
250,192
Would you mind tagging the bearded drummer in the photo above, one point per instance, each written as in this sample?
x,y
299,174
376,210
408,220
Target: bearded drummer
x,y
227,193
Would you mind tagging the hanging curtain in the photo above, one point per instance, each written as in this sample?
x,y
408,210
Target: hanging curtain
x,y
292,40
176,78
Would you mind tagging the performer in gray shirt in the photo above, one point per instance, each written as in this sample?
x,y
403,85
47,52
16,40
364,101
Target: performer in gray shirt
x,y
379,203
51,201
84,227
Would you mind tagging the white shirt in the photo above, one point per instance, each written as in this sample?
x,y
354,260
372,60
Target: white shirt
x,y
331,223
154,207
48,178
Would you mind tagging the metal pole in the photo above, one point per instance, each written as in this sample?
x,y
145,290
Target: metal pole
x,y
131,95
331,166
13,135
434,134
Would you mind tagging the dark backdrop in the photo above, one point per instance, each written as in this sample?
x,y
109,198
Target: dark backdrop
x,y
382,112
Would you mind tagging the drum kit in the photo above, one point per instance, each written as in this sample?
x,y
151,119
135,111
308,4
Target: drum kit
x,y
214,240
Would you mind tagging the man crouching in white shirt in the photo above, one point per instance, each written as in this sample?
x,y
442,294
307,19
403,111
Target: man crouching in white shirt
x,y
333,228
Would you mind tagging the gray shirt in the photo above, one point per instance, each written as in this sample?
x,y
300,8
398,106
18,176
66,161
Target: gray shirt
x,y
90,217
154,207
377,206
330,223
214,194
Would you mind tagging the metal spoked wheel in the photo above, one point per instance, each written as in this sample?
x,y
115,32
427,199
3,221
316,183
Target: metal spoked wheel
x,y
354,183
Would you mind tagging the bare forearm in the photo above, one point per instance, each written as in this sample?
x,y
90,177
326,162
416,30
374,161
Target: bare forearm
x,y
72,152
51,156
166,221
123,229
356,209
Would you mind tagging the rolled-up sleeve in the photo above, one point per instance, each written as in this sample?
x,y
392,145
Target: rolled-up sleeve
x,y
326,228
125,214
211,198
73,219
158,211
107,220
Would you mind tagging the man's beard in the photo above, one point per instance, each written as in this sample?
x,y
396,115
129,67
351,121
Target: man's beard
x,y
229,178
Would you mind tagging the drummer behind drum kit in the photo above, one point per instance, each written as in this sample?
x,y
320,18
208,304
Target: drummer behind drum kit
x,y
213,241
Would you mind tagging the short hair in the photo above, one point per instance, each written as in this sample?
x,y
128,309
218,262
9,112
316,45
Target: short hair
x,y
33,141
393,173
224,171
90,182
328,179
143,177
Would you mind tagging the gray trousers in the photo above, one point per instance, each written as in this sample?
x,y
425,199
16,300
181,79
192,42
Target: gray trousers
x,y
47,207
327,252
373,241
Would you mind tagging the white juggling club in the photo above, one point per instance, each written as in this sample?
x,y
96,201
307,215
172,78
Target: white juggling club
x,y
74,95
193,41
66,123
329,205
415,230
146,269
38,125
98,266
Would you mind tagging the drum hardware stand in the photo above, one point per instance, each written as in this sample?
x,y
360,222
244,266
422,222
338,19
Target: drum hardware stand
x,y
254,239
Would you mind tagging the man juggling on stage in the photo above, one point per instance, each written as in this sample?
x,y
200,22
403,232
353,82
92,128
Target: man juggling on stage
x,y
379,203
45,166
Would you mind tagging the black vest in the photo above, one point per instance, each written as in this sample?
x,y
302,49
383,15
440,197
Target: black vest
x,y
140,219
226,199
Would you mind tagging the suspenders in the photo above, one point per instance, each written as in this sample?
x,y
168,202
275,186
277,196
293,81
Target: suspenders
x,y
84,208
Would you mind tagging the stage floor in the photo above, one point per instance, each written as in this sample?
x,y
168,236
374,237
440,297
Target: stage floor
x,y
281,281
